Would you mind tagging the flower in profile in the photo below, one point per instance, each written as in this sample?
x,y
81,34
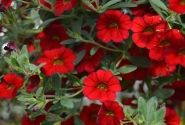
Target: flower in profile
x,y
113,25
111,113
9,85
90,62
177,6
171,117
52,35
89,114
101,85
61,6
60,60
145,29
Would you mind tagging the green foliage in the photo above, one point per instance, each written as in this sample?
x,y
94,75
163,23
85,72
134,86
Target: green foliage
x,y
19,61
147,112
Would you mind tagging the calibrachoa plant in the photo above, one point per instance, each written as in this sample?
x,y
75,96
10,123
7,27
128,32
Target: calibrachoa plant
x,y
92,62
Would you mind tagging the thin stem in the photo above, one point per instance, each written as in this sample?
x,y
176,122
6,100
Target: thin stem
x,y
101,46
73,95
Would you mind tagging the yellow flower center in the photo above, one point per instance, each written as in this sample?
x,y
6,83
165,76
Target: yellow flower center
x,y
102,86
58,62
110,113
182,2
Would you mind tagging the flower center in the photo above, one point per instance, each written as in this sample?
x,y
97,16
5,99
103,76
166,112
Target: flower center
x,y
149,30
109,113
10,86
164,43
113,25
66,1
58,62
182,2
182,52
93,115
56,38
102,86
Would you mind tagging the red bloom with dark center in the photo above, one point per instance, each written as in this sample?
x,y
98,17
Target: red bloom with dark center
x,y
45,4
160,68
61,6
9,85
89,114
113,25
163,43
37,121
177,6
110,114
171,117
51,37
90,62
59,60
101,85
146,29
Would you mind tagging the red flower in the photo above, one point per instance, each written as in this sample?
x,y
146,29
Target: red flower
x,y
37,121
51,37
101,85
63,5
177,5
179,87
110,114
89,114
33,83
9,85
59,60
146,28
90,62
176,53
113,25
5,3
45,4
162,45
69,121
171,117
160,68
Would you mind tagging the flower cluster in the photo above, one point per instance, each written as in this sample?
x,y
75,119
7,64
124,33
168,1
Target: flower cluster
x,y
92,62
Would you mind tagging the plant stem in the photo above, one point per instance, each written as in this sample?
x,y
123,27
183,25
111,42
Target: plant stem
x,y
101,46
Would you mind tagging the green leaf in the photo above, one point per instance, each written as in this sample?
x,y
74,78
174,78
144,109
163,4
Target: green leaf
x,y
68,103
139,61
123,5
56,83
127,69
163,93
108,4
80,56
159,4
39,92
93,51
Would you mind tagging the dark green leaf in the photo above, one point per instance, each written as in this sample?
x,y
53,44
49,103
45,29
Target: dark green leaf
x,y
139,61
80,56
127,69
68,103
